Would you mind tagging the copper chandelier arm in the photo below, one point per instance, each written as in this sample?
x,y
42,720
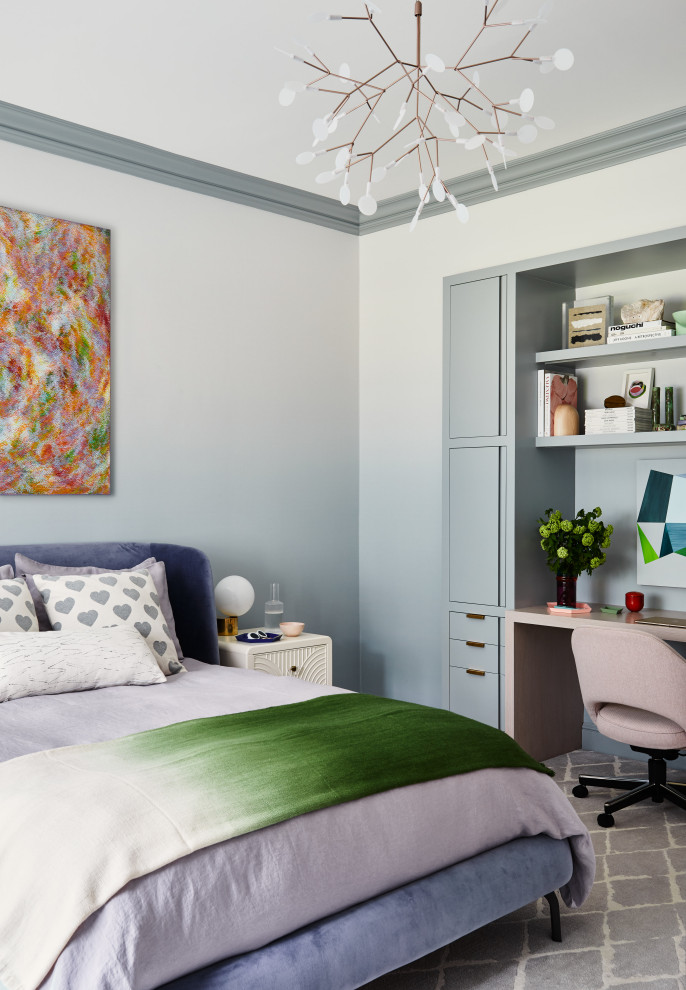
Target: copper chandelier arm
x,y
468,48
393,136
517,47
384,41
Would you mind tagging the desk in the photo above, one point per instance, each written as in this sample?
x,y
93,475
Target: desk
x,y
543,707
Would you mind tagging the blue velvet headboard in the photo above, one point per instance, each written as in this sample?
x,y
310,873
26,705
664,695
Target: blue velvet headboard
x,y
189,578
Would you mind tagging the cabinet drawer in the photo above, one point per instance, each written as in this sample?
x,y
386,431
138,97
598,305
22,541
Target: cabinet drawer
x,y
475,696
462,654
307,663
475,626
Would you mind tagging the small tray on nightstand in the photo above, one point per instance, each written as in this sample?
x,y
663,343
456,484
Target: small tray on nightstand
x,y
254,640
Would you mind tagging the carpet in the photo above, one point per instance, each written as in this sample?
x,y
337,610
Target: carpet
x,y
629,935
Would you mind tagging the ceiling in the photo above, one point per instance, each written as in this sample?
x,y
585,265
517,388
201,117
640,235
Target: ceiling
x,y
202,79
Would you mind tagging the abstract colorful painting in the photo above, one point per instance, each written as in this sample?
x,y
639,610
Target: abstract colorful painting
x,y
54,356
661,522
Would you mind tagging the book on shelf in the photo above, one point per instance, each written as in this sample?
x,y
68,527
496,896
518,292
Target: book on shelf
x,y
555,387
619,413
625,337
603,431
628,419
591,430
645,325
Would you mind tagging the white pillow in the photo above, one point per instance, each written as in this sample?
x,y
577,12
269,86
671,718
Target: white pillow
x,y
57,662
115,598
17,613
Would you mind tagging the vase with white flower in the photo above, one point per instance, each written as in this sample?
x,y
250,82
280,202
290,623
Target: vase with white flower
x,y
572,547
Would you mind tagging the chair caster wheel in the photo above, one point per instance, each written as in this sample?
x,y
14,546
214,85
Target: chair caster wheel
x,y
605,820
580,790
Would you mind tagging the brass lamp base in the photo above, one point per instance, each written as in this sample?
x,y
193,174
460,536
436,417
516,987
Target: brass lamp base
x,y
228,625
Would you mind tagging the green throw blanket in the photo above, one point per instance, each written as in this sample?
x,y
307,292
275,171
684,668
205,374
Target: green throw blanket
x,y
80,822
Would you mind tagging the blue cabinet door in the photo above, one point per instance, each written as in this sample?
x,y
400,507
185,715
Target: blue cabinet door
x,y
475,324
475,520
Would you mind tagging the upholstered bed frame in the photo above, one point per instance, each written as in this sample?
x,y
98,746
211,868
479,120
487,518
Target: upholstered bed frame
x,y
353,947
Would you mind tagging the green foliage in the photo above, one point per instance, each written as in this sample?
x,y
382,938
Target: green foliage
x,y
574,545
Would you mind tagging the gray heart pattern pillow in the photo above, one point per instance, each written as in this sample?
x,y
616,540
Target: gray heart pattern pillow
x,y
17,613
114,598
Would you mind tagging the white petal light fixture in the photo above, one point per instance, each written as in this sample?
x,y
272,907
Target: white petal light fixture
x,y
432,104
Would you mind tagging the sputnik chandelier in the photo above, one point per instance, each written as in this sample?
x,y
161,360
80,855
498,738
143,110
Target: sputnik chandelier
x,y
427,116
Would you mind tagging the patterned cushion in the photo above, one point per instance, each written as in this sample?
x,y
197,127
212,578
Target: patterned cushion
x,y
115,598
27,568
57,662
17,613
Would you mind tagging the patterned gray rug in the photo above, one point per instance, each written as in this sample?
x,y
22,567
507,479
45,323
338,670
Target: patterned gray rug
x,y
629,935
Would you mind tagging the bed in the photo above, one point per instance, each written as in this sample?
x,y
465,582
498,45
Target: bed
x,y
330,899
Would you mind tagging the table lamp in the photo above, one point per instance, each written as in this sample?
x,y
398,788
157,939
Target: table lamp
x,y
233,596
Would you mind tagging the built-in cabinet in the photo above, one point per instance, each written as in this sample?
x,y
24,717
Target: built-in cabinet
x,y
501,326
476,481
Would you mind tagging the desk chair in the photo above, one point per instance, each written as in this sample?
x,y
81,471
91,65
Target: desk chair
x,y
634,688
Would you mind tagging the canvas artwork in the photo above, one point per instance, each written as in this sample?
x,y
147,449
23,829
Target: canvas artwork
x,y
54,356
661,522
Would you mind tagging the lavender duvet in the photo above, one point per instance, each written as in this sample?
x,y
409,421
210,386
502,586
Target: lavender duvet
x,y
200,833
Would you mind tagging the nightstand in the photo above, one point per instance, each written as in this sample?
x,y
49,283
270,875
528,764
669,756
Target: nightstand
x,y
307,656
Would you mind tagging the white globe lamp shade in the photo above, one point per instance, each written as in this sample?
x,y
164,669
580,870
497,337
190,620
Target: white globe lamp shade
x,y
233,596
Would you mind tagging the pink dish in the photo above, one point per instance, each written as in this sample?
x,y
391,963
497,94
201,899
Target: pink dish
x,y
580,609
291,628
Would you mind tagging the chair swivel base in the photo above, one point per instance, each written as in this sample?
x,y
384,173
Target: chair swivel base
x,y
655,787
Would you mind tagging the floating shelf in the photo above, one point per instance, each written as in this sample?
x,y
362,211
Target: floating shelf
x,y
614,439
610,354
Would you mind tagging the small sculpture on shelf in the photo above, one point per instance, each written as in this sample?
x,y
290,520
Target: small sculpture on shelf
x,y
679,317
668,425
565,421
643,311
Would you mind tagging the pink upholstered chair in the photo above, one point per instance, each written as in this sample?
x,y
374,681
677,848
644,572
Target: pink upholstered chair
x,y
634,688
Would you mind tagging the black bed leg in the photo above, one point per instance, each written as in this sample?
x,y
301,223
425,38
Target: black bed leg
x,y
555,927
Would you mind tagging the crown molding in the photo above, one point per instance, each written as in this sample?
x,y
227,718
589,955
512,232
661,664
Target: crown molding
x,y
86,144
623,144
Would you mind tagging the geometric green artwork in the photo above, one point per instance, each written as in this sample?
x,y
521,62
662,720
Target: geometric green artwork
x,y
661,522
646,549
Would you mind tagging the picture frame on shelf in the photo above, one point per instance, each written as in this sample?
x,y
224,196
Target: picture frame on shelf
x,y
607,301
637,387
587,324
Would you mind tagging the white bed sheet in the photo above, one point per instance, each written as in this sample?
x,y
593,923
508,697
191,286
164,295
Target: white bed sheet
x,y
244,893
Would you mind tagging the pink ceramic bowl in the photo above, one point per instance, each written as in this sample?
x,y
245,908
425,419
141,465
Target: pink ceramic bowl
x,y
291,628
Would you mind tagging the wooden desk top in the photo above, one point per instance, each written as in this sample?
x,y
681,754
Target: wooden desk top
x,y
539,615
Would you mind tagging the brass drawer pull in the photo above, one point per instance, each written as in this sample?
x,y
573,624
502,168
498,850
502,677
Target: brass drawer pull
x,y
470,642
475,615
471,670
294,670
